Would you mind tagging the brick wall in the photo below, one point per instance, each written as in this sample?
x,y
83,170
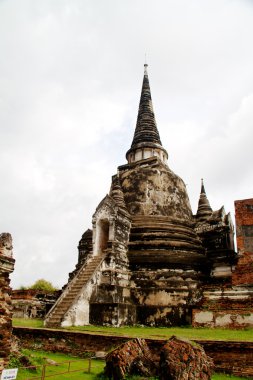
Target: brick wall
x,y
30,303
229,357
224,306
243,274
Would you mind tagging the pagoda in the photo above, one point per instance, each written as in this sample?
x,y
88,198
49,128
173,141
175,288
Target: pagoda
x,y
147,256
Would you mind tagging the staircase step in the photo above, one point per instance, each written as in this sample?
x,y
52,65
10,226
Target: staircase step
x,y
77,286
54,318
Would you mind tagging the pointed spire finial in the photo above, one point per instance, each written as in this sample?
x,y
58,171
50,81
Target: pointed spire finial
x,y
145,65
202,187
146,142
204,208
145,69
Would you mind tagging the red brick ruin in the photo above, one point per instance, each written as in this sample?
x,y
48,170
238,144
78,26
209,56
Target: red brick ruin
x,y
6,267
243,274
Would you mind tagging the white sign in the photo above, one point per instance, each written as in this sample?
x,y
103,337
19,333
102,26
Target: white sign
x,y
9,374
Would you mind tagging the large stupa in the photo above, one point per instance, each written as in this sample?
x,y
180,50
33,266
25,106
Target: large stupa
x,y
147,256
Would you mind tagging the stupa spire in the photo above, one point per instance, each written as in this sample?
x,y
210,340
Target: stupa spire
x,y
146,141
204,208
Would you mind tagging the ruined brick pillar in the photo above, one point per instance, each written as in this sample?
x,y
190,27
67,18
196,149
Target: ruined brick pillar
x,y
6,267
243,274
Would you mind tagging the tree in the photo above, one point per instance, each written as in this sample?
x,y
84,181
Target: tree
x,y
42,284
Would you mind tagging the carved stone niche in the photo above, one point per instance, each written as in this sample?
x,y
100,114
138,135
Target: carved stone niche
x,y
105,222
103,225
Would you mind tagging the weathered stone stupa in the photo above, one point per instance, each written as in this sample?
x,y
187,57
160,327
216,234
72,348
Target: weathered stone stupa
x,y
147,256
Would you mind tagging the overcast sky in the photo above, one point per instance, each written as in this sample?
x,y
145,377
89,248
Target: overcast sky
x,y
70,80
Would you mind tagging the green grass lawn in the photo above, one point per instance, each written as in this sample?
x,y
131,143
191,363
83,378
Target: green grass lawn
x,y
27,322
80,367
167,332
153,332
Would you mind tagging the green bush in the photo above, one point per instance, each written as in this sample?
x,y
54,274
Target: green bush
x,y
40,284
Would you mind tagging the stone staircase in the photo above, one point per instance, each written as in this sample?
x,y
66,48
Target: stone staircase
x,y
56,314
